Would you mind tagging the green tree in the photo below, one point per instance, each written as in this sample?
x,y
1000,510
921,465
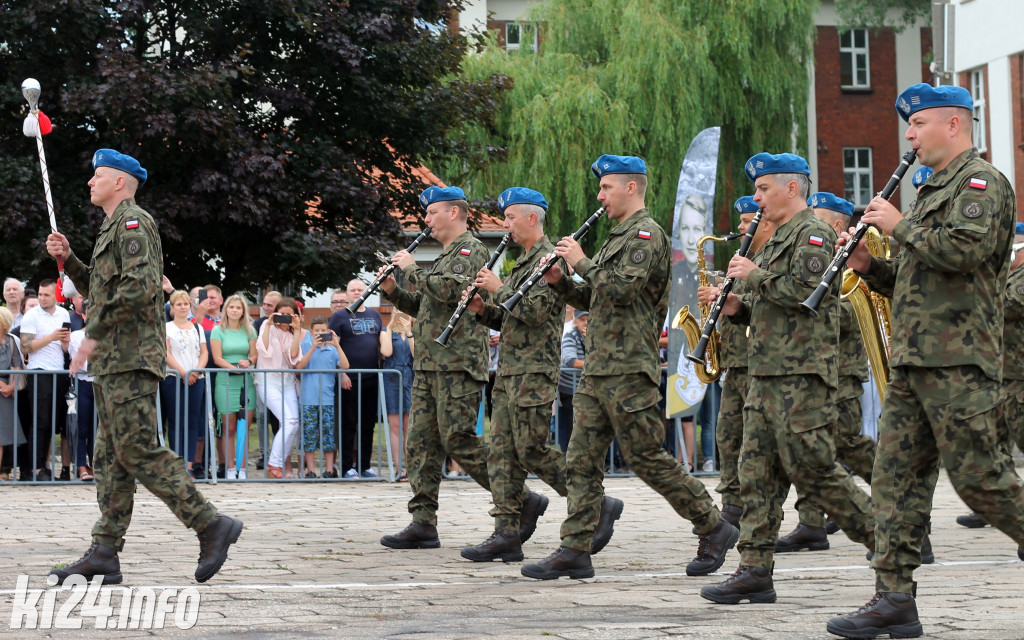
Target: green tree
x,y
278,134
643,77
875,14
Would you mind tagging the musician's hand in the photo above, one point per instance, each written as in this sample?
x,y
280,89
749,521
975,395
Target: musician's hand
x,y
740,267
84,351
731,306
707,295
476,305
486,280
402,259
570,251
881,213
165,284
57,246
860,259
389,283
554,274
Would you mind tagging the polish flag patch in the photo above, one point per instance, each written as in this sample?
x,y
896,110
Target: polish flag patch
x,y
465,252
646,235
131,224
816,241
978,183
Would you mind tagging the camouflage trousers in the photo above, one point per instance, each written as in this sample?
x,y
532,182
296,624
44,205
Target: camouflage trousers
x,y
854,450
1011,415
625,408
127,450
729,434
442,422
933,415
518,443
787,439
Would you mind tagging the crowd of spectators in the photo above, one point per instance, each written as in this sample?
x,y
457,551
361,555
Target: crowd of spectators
x,y
305,391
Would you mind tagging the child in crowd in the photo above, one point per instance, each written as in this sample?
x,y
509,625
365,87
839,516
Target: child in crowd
x,y
320,350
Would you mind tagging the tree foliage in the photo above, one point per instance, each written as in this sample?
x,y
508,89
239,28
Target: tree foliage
x,y
278,134
643,77
875,14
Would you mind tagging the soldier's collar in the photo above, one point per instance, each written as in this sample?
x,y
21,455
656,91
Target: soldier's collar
x,y
942,178
784,230
457,243
641,215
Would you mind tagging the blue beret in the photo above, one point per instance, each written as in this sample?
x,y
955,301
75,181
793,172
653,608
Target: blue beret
x,y
431,195
921,176
618,164
924,96
121,162
1020,229
745,204
521,195
826,200
765,163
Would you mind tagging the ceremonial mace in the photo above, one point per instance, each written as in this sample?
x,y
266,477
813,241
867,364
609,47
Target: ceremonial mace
x,y
30,89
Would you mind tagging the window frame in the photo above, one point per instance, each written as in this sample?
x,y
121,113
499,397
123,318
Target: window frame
x,y
853,51
857,172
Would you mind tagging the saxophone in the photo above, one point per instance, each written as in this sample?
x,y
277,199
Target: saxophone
x,y
873,311
710,370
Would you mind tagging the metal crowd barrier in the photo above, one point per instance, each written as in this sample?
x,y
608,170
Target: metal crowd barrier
x,y
383,458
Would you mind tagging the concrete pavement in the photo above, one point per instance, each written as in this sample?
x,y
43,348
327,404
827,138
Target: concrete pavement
x,y
309,564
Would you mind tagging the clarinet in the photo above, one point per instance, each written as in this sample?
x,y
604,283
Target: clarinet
x,y
352,308
697,355
464,303
838,264
539,272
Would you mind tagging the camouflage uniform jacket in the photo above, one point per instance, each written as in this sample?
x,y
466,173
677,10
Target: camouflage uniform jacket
x,y
733,353
1013,330
625,288
432,297
122,283
948,279
853,355
783,339
531,335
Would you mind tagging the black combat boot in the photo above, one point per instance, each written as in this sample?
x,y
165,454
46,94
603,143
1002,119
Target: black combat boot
x,y
611,509
97,561
503,545
416,536
971,521
214,540
711,549
803,537
732,513
831,526
564,562
748,583
894,614
534,507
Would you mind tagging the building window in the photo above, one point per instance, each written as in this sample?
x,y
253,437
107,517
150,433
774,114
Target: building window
x,y
520,35
854,62
857,175
978,95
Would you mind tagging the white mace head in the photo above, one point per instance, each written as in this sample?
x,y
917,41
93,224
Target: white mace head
x,y
30,89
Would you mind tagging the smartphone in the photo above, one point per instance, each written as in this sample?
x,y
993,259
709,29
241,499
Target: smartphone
x,y
202,295
66,325
283,318
326,337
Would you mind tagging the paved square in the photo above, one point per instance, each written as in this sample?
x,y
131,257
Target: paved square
x,y
309,564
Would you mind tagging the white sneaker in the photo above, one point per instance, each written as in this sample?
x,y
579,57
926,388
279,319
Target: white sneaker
x,y
242,475
709,465
231,474
369,473
351,473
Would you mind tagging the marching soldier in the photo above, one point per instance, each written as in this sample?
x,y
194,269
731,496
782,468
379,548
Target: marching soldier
x,y
733,360
126,348
942,401
525,383
790,406
854,450
1011,413
448,382
625,288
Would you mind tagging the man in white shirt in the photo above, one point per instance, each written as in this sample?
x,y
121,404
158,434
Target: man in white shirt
x,y
45,333
14,292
